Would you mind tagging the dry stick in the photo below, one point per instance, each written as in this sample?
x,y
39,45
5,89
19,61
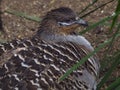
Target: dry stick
x,y
96,8
91,4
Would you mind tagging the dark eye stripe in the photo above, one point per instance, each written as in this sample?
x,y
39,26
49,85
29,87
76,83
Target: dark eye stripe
x,y
70,20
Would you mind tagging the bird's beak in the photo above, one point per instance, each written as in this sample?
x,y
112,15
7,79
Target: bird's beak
x,y
80,22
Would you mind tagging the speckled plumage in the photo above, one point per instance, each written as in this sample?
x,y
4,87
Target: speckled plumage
x,y
38,62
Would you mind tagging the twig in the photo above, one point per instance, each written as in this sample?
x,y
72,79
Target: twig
x,y
96,8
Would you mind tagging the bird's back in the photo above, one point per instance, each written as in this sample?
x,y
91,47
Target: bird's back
x,y
39,67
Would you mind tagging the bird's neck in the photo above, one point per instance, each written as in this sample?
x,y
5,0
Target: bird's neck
x,y
53,38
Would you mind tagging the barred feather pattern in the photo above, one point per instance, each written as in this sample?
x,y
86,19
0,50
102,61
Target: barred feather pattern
x,y
4,47
37,65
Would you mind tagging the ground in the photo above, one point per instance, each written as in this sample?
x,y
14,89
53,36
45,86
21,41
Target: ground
x,y
17,27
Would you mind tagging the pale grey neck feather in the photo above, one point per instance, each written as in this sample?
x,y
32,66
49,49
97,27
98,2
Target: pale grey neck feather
x,y
71,38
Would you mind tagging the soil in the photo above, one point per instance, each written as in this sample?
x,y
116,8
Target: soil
x,y
13,27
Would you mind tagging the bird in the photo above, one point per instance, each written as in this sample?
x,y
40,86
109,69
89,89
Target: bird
x,y
37,62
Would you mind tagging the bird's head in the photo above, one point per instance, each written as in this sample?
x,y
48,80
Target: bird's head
x,y
62,21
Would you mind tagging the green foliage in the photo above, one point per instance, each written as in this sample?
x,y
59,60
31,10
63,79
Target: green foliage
x,y
23,15
115,85
116,16
115,63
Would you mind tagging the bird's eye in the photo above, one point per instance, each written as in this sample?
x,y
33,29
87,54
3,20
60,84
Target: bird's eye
x,y
71,20
68,20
